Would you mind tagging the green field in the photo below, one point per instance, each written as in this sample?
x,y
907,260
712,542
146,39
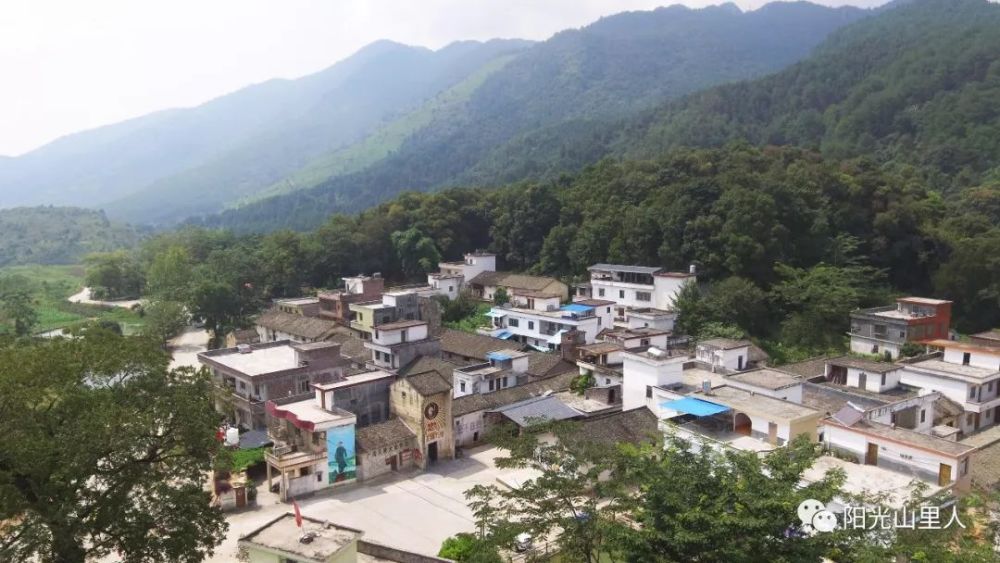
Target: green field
x,y
51,285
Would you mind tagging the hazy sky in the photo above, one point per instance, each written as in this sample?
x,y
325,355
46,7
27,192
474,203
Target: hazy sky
x,y
69,65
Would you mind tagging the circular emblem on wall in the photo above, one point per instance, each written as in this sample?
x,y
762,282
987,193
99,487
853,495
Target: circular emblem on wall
x,y
431,411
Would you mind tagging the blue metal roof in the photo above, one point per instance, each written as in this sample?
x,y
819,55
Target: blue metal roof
x,y
576,308
502,334
499,356
691,405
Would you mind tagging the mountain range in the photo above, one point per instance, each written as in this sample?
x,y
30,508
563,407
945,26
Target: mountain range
x,y
393,117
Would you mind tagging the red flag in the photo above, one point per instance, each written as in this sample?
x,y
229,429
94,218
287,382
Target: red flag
x,y
298,515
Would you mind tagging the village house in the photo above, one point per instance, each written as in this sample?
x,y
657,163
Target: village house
x,y
276,325
885,330
251,375
503,369
650,318
385,448
422,400
602,361
397,304
469,411
314,446
304,306
633,287
394,345
454,277
724,354
485,285
968,374
288,539
335,305
541,322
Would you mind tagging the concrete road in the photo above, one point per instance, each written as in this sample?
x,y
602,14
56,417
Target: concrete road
x,y
413,511
84,297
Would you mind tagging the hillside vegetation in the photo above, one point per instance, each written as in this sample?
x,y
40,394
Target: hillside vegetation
x,y
916,86
58,235
595,75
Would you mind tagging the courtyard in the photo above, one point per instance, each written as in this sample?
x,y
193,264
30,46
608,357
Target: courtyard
x,y
415,510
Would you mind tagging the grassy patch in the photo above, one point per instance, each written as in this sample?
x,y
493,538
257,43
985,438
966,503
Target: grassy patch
x,y
476,320
52,285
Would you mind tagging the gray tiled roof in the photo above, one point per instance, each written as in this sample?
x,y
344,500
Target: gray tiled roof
x,y
304,327
512,280
632,426
383,434
472,345
539,409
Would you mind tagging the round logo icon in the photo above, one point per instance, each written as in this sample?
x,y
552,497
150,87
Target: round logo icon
x,y
824,521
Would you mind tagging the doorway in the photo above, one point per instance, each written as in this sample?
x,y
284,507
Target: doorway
x,y
772,433
394,462
742,424
871,458
944,475
862,380
432,452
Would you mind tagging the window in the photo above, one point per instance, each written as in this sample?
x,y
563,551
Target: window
x,y
644,342
600,292
608,310
972,392
304,386
305,471
531,325
969,420
319,476
649,391
492,385
964,467
643,296
461,386
923,415
883,380
512,322
621,294
966,358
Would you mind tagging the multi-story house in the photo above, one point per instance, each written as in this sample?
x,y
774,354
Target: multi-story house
x,y
335,305
885,330
968,374
314,446
540,322
503,369
395,305
452,277
634,287
394,345
250,375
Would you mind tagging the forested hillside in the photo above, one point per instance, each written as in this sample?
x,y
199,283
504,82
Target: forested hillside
x,y
918,86
58,235
568,85
788,241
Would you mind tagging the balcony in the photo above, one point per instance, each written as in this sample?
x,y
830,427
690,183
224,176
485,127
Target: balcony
x,y
290,456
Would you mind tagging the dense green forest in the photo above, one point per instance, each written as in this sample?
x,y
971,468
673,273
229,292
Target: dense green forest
x,y
788,241
58,235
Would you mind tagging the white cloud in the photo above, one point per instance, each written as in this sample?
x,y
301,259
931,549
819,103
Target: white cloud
x,y
69,65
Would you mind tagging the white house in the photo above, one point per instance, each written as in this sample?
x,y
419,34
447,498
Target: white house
x,y
642,371
965,373
540,322
394,345
875,377
634,287
461,271
933,459
657,319
503,369
724,353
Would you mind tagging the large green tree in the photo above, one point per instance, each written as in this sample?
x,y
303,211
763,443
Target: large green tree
x,y
104,452
17,304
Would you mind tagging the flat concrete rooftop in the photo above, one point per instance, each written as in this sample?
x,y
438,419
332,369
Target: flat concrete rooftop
x,y
259,360
282,534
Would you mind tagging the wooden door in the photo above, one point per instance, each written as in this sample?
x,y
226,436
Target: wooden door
x,y
944,475
871,458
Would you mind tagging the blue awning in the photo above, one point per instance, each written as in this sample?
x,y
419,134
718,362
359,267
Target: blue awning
x,y
496,314
576,308
503,334
691,405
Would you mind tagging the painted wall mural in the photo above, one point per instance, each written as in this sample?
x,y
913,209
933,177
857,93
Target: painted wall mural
x,y
341,455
